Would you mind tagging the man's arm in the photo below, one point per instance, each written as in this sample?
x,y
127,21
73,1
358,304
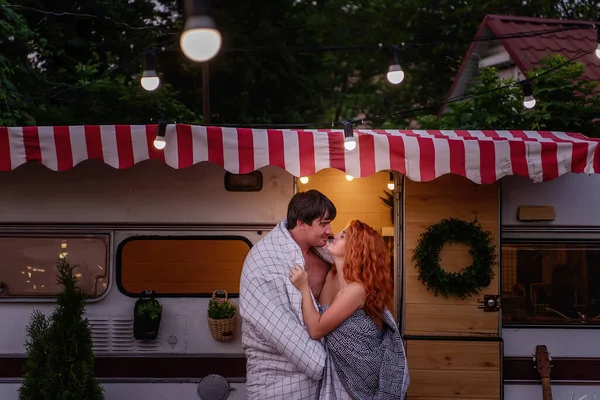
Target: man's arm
x,y
266,308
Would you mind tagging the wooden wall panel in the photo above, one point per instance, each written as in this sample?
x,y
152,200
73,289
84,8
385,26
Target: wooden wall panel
x,y
427,204
453,370
449,369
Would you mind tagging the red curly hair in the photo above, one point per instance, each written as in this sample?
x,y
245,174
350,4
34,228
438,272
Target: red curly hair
x,y
367,261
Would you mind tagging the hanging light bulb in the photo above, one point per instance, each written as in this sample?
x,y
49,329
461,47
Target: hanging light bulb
x,y
304,180
391,184
598,40
160,141
349,139
528,99
349,177
200,40
395,74
150,80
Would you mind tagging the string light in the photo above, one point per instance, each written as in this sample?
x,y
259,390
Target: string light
x,y
598,41
150,81
304,180
160,141
476,94
349,134
200,40
199,22
349,139
528,99
370,119
391,184
395,74
349,177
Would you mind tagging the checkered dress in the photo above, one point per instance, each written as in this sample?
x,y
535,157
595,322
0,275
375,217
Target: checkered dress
x,y
283,362
363,361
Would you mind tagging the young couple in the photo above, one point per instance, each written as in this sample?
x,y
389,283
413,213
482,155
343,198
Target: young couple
x,y
316,321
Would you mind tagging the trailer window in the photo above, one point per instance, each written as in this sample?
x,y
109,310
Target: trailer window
x,y
551,283
28,264
181,266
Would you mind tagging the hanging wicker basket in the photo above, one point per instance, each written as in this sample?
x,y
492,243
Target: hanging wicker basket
x,y
222,329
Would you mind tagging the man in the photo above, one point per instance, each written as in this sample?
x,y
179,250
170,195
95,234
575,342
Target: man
x,y
283,362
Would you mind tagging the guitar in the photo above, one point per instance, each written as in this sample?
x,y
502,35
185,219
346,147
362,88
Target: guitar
x,y
542,359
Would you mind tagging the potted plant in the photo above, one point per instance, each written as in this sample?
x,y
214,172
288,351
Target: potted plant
x,y
388,200
146,319
222,316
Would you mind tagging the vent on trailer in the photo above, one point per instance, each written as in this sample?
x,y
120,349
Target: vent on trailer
x,y
115,335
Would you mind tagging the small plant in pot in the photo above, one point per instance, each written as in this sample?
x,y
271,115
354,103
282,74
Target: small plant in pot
x,y
222,317
146,319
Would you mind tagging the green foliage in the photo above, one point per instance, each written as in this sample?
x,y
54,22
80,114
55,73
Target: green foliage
x,y
564,102
470,279
17,75
59,349
151,309
219,308
86,70
35,385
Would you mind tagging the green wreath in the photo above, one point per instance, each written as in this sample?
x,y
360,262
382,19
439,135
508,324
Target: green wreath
x,y
471,279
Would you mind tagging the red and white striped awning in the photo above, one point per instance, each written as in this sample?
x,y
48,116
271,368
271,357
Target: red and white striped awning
x,y
481,156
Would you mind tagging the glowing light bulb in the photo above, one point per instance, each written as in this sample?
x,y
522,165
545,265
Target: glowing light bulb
x,y
350,144
349,177
150,83
529,102
304,179
395,75
200,40
160,142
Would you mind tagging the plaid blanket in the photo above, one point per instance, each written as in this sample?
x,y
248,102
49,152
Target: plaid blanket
x,y
283,362
364,362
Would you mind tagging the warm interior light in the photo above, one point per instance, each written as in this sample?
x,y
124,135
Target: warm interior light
x,y
304,179
390,184
349,177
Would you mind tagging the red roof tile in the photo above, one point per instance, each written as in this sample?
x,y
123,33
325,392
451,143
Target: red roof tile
x,y
527,52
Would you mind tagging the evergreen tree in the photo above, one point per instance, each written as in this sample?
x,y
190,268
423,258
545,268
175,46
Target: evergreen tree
x,y
60,358
35,380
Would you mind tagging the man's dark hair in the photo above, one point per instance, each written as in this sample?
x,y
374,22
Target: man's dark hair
x,y
308,206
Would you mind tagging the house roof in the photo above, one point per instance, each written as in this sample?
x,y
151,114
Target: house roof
x,y
566,37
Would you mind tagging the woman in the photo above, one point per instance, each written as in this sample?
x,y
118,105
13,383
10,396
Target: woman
x,y
366,355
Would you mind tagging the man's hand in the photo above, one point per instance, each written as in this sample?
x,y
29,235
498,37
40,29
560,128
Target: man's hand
x,y
299,278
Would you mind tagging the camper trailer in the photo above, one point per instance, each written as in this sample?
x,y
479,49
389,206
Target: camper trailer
x,y
179,222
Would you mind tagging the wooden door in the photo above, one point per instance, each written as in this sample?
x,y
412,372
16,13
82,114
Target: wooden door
x,y
453,346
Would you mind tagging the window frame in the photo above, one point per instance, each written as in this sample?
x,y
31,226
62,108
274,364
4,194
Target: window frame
x,y
547,235
119,264
45,232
